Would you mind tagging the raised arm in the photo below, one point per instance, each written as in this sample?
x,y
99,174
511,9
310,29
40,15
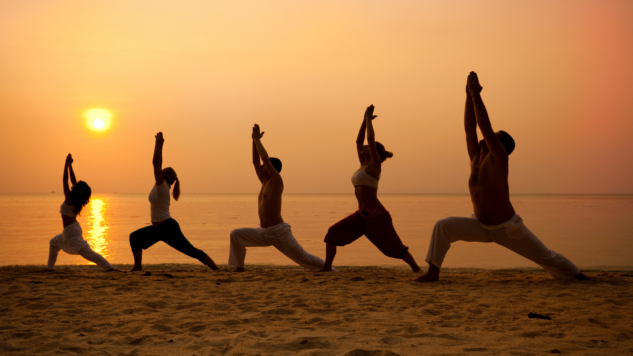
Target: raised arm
x,y
374,165
360,141
470,125
67,167
272,172
157,161
73,180
256,161
483,121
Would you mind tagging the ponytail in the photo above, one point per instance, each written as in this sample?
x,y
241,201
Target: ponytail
x,y
170,176
176,192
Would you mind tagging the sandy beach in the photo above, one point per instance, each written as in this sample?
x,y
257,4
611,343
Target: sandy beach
x,y
271,310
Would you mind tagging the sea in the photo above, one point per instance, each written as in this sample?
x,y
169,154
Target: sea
x,y
593,231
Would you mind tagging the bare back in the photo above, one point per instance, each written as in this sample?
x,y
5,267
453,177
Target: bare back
x,y
269,203
489,189
489,161
68,220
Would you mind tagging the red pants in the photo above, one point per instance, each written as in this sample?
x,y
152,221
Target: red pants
x,y
375,224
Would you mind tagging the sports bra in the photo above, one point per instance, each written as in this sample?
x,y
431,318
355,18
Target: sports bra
x,y
68,210
360,177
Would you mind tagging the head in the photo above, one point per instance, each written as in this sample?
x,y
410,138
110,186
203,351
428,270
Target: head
x,y
276,162
170,176
506,140
382,152
80,194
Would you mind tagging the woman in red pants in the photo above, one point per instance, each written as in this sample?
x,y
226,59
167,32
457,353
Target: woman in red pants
x,y
371,219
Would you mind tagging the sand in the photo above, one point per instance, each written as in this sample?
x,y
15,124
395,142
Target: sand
x,y
271,310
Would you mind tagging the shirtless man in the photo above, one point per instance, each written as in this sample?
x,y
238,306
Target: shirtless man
x,y
273,231
495,219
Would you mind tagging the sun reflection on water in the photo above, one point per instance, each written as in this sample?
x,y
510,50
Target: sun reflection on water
x,y
98,234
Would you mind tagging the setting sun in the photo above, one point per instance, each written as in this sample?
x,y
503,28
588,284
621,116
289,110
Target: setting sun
x,y
98,119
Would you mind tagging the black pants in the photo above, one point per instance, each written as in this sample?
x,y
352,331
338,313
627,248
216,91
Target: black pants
x,y
169,232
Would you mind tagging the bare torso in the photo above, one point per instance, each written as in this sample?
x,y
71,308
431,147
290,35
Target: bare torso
x,y
68,220
269,203
367,196
489,189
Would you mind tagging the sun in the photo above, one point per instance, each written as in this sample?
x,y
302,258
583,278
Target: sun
x,y
98,119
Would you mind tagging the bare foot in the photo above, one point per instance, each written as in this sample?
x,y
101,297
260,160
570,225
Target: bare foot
x,y
428,278
137,269
432,275
416,269
325,269
239,269
582,277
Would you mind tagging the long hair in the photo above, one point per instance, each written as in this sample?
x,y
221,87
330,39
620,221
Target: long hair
x,y
170,176
382,152
80,194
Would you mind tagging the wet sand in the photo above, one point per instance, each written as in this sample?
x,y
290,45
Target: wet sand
x,y
273,310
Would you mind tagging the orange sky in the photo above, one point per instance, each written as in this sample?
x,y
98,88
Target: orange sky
x,y
557,75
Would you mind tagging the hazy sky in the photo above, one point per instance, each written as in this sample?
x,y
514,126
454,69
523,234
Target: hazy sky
x,y
557,75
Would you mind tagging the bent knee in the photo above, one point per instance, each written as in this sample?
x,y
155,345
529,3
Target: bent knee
x,y
453,223
136,241
134,236
234,234
333,235
449,221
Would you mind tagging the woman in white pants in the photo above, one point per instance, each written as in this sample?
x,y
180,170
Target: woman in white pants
x,y
71,240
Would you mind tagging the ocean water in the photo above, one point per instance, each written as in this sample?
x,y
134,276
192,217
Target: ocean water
x,y
594,231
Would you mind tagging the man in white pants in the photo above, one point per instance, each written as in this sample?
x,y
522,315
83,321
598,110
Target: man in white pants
x,y
495,219
273,231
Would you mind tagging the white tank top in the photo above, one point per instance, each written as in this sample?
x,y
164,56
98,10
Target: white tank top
x,y
360,177
68,210
159,201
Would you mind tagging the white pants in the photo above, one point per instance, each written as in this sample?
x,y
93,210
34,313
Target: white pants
x,y
279,236
512,234
72,242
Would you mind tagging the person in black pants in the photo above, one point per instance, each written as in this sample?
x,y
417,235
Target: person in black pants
x,y
163,227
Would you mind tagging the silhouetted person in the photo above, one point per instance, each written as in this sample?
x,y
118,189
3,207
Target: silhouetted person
x,y
163,227
273,231
371,219
71,239
495,219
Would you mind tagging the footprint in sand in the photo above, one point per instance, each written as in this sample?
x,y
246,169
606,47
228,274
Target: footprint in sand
x,y
161,328
38,306
359,352
280,311
197,328
156,304
140,341
189,306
